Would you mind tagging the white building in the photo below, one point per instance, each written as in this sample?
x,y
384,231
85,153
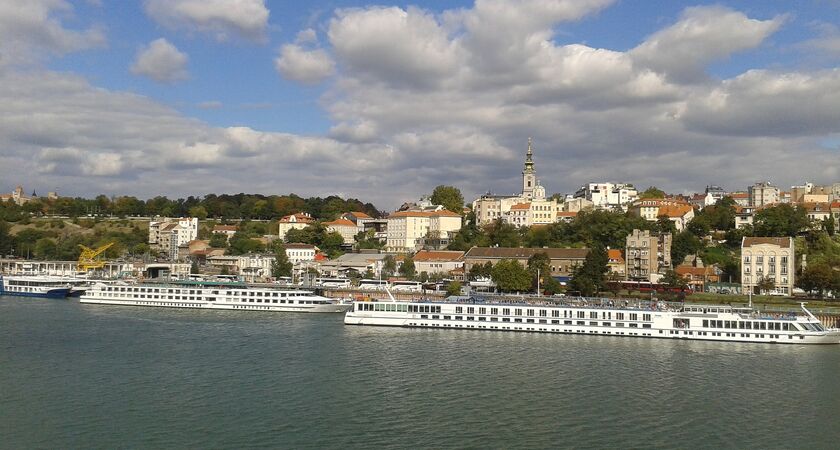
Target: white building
x,y
167,235
489,208
767,258
441,261
407,229
651,209
763,193
251,268
298,253
609,195
345,228
297,221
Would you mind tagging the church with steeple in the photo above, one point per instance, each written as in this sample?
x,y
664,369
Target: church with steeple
x,y
526,209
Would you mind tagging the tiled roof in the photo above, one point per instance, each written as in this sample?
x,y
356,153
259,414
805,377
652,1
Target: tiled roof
x,y
615,255
521,206
361,215
816,207
441,255
520,253
340,223
739,195
567,214
674,210
299,217
299,246
780,241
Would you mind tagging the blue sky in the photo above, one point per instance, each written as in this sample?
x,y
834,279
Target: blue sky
x,y
385,101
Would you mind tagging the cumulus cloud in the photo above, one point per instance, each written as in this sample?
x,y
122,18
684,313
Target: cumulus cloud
x,y
305,66
450,98
222,19
702,35
32,30
161,61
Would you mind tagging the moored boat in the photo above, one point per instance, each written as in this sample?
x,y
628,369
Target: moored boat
x,y
211,295
602,317
34,286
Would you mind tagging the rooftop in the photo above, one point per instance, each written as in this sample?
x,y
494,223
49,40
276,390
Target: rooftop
x,y
521,252
780,241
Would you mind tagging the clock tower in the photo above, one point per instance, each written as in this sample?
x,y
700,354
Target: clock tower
x,y
529,175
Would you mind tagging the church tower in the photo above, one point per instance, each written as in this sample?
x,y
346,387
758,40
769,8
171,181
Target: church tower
x,y
529,176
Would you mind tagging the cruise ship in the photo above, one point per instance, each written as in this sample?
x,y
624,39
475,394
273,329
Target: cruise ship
x,y
211,295
35,286
603,318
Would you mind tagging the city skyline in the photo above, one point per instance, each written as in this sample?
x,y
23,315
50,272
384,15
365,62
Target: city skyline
x,y
383,103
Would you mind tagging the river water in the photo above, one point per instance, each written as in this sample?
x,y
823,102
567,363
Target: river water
x,y
90,376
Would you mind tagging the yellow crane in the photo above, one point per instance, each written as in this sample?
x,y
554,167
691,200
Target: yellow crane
x,y
88,258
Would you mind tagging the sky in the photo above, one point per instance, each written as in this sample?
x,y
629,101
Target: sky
x,y
385,101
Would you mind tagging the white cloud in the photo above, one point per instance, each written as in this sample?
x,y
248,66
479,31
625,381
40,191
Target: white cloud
x,y
702,35
305,66
223,19
161,61
31,30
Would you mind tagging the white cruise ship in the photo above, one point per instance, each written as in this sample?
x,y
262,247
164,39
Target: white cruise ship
x,y
35,286
602,317
211,295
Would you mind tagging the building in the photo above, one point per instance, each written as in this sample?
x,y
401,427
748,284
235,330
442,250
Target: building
x,y
167,235
489,208
798,192
299,253
763,193
616,263
345,228
741,198
817,212
227,230
647,255
438,262
563,260
360,219
360,263
767,258
297,221
407,230
571,204
608,195
17,197
696,274
717,193
832,190
744,216
651,209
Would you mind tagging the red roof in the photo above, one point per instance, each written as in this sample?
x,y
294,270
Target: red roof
x,y
441,255
441,213
521,206
299,217
340,223
361,215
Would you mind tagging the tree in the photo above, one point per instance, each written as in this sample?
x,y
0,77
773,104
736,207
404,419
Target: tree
x,y
199,212
684,244
828,225
673,280
481,270
503,234
218,240
539,265
407,268
194,267
7,242
281,266
652,192
589,278
665,225
817,277
45,248
389,266
780,220
510,276
450,197
765,284
453,288
241,244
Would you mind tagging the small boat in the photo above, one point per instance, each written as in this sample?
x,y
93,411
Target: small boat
x,y
35,286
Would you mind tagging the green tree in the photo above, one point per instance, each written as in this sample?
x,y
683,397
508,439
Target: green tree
x,y
673,280
7,242
684,244
539,265
389,266
448,196
45,248
453,288
218,240
407,268
665,225
765,284
194,267
510,276
199,212
281,266
503,234
481,271
828,225
469,235
780,220
241,244
590,277
817,277
652,192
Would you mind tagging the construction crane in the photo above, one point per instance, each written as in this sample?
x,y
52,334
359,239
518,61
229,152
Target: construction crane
x,y
88,258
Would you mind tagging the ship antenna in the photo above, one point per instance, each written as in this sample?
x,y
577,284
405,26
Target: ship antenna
x,y
802,305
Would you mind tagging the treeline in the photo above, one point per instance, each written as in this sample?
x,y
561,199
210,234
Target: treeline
x,y
238,206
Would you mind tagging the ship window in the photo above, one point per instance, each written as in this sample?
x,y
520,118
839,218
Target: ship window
x,y
517,320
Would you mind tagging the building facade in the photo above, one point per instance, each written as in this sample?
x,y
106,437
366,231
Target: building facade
x,y
768,258
345,228
609,195
297,221
647,255
438,262
407,230
563,260
763,193
167,235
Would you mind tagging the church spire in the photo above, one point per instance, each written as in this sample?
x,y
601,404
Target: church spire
x,y
529,161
